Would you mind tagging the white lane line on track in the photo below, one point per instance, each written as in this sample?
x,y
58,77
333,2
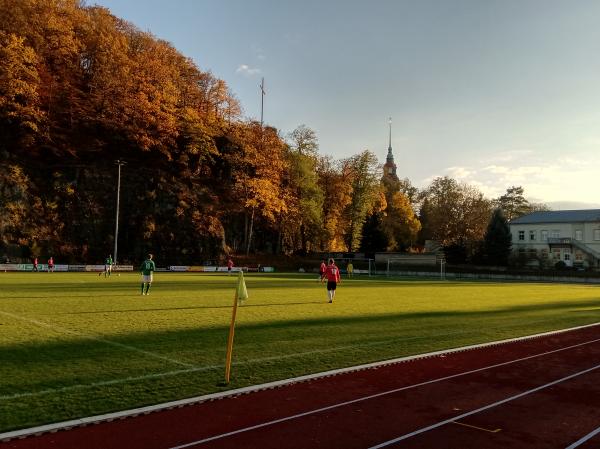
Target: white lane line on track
x,y
377,395
95,338
487,407
584,439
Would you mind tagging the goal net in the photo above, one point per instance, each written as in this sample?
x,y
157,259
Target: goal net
x,y
422,264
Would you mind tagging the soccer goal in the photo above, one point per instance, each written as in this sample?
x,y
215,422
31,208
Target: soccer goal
x,y
442,268
360,266
417,264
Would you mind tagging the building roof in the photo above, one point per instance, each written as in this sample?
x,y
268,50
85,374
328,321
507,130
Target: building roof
x,y
559,216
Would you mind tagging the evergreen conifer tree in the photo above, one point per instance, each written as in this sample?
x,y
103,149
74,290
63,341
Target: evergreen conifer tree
x,y
497,240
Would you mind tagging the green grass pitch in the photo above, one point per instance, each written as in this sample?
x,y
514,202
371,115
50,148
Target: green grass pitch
x,y
76,344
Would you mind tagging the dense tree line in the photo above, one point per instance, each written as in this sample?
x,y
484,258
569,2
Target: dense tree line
x,y
81,88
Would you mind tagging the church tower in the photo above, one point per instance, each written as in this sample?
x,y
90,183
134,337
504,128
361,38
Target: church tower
x,y
389,168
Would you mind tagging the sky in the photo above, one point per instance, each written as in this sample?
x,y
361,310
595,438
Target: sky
x,y
493,93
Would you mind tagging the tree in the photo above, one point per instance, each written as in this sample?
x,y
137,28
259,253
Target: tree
x,y
453,213
405,186
20,112
497,240
303,223
337,195
399,222
362,171
373,239
303,140
258,166
514,204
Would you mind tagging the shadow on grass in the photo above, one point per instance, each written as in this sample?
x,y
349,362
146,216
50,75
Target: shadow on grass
x,y
338,328
277,349
166,309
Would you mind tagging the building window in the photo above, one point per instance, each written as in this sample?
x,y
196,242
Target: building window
x,y
555,234
578,234
567,256
596,234
578,256
532,235
544,236
544,253
556,253
521,235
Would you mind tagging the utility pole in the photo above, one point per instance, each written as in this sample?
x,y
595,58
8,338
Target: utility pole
x,y
119,163
262,109
262,101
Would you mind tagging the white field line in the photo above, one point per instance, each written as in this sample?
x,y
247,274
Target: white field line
x,y
205,368
94,338
280,383
195,369
584,439
487,407
105,383
377,395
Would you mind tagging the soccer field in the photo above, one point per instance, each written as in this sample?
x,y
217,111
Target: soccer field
x,y
76,344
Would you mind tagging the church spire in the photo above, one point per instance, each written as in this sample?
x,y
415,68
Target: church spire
x,y
390,145
389,168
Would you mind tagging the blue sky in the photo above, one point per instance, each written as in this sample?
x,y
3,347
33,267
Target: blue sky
x,y
492,93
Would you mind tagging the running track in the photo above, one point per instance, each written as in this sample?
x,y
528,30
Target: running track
x,y
541,392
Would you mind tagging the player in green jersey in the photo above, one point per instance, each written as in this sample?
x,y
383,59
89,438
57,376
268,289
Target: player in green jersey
x,y
146,269
108,263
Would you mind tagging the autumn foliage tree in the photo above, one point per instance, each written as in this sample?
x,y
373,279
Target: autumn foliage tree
x,y
456,215
399,222
80,88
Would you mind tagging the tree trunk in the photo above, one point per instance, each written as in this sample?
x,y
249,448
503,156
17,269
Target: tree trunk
x,y
245,242
250,233
279,234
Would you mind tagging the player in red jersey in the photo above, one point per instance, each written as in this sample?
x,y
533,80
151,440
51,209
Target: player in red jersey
x,y
322,269
229,266
332,273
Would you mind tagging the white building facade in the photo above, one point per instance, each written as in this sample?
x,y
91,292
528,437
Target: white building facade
x,y
570,236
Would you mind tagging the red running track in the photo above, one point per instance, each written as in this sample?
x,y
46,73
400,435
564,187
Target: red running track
x,y
542,392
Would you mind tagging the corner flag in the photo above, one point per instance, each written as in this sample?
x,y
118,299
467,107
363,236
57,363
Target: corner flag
x,y
241,292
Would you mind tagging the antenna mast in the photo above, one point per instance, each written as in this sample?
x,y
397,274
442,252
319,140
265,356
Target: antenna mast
x,y
262,101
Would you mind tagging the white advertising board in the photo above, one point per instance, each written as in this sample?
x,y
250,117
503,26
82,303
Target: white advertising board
x,y
178,268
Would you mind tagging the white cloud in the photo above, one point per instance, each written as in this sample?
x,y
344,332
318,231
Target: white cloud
x,y
566,178
246,70
459,172
510,155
